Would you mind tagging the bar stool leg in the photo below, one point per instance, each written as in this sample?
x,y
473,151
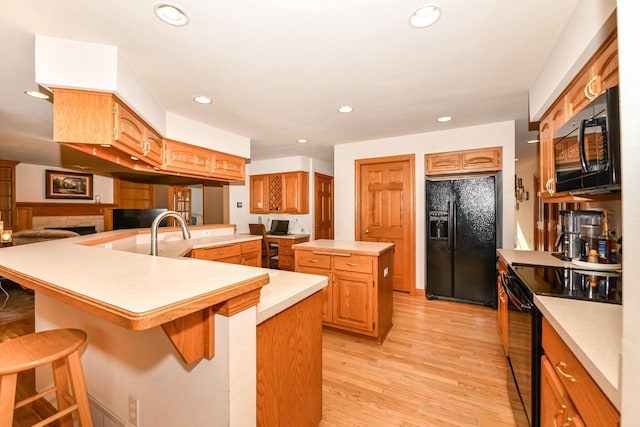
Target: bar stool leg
x,y
61,383
7,398
79,389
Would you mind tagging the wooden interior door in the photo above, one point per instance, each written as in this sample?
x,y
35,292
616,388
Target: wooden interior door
x,y
323,206
180,201
385,211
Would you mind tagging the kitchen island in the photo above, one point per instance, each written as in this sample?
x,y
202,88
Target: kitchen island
x,y
175,334
591,330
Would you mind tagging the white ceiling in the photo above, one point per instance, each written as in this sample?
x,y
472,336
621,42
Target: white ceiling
x,y
278,70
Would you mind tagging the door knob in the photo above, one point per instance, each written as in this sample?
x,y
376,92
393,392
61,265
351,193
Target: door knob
x,y
366,231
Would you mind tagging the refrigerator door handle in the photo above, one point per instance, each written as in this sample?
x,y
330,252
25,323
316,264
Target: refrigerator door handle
x,y
454,221
449,236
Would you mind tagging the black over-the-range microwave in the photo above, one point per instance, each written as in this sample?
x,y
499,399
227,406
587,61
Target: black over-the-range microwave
x,y
587,148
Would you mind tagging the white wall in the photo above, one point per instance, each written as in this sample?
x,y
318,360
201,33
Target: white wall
x,y
591,22
629,63
526,167
30,185
490,135
239,193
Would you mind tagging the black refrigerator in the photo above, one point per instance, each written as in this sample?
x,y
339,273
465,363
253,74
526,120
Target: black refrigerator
x,y
461,240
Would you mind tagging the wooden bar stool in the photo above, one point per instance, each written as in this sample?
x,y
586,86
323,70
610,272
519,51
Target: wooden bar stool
x,y
58,347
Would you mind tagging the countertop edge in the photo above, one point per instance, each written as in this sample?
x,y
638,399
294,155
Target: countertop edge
x,y
268,309
591,366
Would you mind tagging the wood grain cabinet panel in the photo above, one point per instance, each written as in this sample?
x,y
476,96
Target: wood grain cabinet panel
x,y
186,159
286,192
100,124
591,404
244,253
359,296
556,408
599,74
480,160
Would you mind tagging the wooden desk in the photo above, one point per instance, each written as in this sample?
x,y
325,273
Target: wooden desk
x,y
285,253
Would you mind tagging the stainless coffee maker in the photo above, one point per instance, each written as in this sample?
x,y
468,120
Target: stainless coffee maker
x,y
579,228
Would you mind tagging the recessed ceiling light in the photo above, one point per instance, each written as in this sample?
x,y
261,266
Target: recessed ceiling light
x,y
36,94
425,16
302,141
202,100
533,141
444,119
171,14
345,109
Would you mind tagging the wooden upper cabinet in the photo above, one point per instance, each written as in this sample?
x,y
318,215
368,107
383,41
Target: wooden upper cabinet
x,y
186,159
227,166
296,192
480,160
599,74
286,192
258,189
100,124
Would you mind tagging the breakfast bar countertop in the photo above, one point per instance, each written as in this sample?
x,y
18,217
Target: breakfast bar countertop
x,y
113,276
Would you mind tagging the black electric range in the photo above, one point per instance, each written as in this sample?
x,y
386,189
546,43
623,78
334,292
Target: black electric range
x,y
575,283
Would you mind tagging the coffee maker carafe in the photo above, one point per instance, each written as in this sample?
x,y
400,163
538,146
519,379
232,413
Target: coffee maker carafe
x,y
574,241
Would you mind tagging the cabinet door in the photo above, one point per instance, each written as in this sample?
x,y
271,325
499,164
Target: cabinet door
x,y
227,166
606,67
186,159
353,301
258,194
581,91
486,160
547,169
296,192
327,291
130,131
442,163
556,408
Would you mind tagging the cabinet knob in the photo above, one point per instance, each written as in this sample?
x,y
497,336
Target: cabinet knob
x,y
366,231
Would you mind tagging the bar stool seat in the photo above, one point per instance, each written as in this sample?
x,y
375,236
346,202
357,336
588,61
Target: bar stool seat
x,y
59,347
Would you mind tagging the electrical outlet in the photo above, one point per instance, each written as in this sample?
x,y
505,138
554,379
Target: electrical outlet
x,y
134,410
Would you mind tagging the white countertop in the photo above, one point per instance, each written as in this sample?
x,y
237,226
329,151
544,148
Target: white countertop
x,y
288,236
515,256
593,332
365,248
121,272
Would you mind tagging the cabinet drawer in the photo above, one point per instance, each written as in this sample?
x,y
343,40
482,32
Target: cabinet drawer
x,y
285,262
217,253
355,263
251,246
592,404
285,250
309,259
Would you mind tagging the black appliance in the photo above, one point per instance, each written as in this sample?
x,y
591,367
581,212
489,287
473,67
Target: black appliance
x,y
593,134
461,240
136,218
525,323
279,227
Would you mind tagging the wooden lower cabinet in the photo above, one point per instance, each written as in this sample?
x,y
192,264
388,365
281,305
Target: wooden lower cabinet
x,y
358,298
243,253
503,307
568,394
285,250
289,366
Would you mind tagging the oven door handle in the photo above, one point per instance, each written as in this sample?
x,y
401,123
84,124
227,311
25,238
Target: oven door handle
x,y
520,305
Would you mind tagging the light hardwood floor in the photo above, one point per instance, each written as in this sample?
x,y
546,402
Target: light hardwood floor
x,y
442,364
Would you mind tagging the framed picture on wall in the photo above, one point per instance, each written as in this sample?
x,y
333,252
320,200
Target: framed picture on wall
x,y
68,185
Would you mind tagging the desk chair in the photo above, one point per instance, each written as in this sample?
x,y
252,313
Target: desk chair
x,y
58,347
269,252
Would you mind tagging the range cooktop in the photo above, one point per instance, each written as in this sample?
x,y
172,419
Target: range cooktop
x,y
573,283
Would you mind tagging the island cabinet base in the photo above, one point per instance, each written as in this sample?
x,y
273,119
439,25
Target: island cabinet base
x,y
289,366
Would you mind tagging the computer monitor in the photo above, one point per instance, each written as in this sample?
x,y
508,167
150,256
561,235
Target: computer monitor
x,y
279,227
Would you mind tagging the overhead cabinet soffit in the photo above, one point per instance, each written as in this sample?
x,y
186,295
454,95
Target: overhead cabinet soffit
x,y
100,124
